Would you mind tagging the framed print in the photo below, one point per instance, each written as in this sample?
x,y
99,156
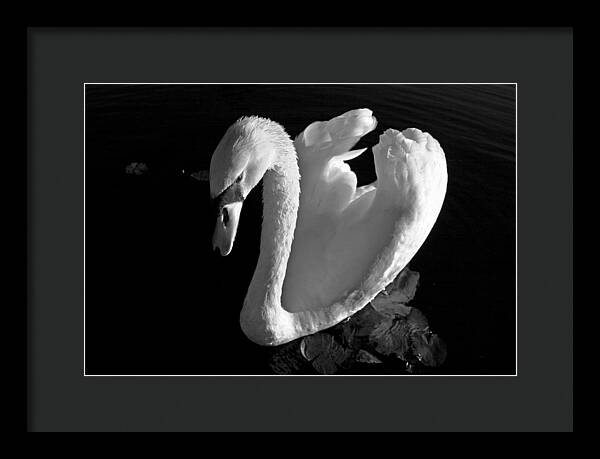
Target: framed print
x,y
235,229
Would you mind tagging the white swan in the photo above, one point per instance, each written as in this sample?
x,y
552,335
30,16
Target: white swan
x,y
327,248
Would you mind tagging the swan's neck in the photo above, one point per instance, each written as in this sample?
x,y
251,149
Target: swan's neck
x,y
281,191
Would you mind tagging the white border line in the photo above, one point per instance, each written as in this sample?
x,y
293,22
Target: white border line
x,y
84,230
516,228
303,83
319,376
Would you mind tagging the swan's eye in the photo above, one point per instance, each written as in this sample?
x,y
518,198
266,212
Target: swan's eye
x,y
225,216
240,177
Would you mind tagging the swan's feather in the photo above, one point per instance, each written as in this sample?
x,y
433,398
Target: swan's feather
x,y
328,184
327,247
351,242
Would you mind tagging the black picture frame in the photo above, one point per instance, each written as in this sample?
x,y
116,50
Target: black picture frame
x,y
539,398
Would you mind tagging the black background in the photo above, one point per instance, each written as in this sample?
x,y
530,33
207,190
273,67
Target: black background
x,y
539,399
160,301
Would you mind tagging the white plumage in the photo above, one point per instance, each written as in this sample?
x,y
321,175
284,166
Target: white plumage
x,y
327,247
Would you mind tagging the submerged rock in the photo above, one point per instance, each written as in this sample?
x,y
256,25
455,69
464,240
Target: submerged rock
x,y
363,356
202,175
136,168
383,331
430,349
287,360
395,296
324,352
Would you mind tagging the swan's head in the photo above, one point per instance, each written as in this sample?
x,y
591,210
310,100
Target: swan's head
x,y
241,159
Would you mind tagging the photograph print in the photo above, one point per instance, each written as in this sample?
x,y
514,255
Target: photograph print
x,y
300,229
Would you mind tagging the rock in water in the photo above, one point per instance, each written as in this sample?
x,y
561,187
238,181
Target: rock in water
x,y
325,353
386,330
136,169
393,299
363,356
287,360
202,176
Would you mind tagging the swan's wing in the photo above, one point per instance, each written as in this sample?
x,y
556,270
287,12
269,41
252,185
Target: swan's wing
x,y
350,243
328,184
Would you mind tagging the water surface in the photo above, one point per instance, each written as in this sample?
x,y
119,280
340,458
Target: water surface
x,y
160,301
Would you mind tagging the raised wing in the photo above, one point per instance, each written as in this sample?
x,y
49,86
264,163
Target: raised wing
x,y
350,243
328,184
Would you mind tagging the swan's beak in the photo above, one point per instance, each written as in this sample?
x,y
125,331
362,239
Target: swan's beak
x,y
226,228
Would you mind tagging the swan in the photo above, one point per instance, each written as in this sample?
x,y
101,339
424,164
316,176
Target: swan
x,y
327,248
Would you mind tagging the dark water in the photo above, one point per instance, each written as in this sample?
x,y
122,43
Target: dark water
x,y
159,301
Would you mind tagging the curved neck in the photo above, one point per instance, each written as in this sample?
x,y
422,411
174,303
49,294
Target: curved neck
x,y
281,191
